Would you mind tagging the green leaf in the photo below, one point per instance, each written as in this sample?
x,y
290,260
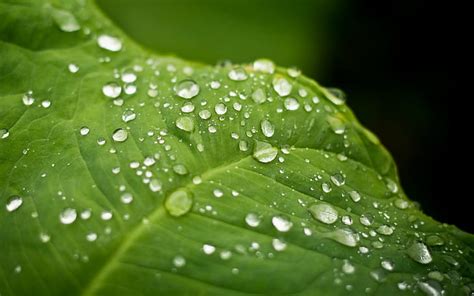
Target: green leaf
x,y
128,173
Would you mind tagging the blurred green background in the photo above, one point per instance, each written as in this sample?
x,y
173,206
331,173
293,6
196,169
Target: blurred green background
x,y
394,59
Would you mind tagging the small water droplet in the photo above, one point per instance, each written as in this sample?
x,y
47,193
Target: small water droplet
x,y
252,220
208,249
84,131
293,72
179,261
430,289
434,240
401,203
187,89
259,96
291,104
217,193
68,216
205,114
46,104
111,90
335,95
109,43
267,128
385,230
28,99
326,187
264,65
338,179
391,185
343,236
237,74
4,133
128,115
180,169
355,196
387,265
225,254
215,84
91,237
348,268
220,109
419,252
278,245
324,213
44,237
106,215
73,68
187,107
281,223
264,152
336,124
185,123
366,219
13,203
155,185
65,20
126,198
179,202
281,86
120,135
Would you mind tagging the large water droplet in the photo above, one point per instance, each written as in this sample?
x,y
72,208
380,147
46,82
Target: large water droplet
x,y
112,90
237,74
324,213
13,203
220,109
185,123
109,43
28,99
335,95
343,236
65,20
419,252
68,216
252,220
281,223
264,65
267,128
120,135
355,196
187,89
128,115
281,86
338,179
179,202
264,152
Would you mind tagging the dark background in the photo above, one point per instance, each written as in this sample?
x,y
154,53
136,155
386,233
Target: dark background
x,y
400,62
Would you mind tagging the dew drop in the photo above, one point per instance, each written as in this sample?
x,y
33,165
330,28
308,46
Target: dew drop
x,y
180,169
112,90
128,115
44,237
267,128
335,95
291,104
4,133
338,179
366,219
73,68
252,220
220,109
348,268
281,86
91,237
217,193
187,89
179,202
68,216
385,230
434,240
187,107
391,185
419,252
343,236
185,123
387,265
294,72
259,96
326,187
215,84
264,152
28,99
46,104
13,203
208,249
84,131
126,198
401,204
278,245
106,215
237,74
429,289
155,185
264,65
355,196
179,261
281,224
205,114
120,135
65,20
336,124
109,43
324,213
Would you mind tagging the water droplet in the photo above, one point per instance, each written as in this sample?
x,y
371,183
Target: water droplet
x,y
401,203
335,95
86,214
91,237
264,65
225,255
13,203
264,152
128,115
336,124
259,96
429,289
355,196
217,193
4,133
126,198
208,249
205,114
281,223
293,72
326,187
391,185
434,240
28,99
385,230
419,252
179,261
109,43
291,104
324,213
343,236
243,145
73,68
84,131
366,219
187,89
65,20
187,107
387,265
68,216
179,202
44,237
185,123
120,135
338,179
278,245
348,268
46,104
155,185
180,169
237,74
267,128
220,109
112,90
128,76
106,215
252,220
215,84
281,86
